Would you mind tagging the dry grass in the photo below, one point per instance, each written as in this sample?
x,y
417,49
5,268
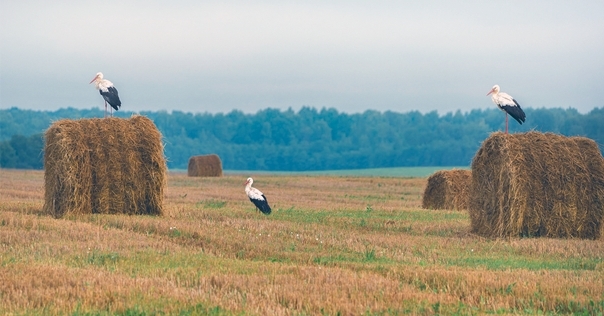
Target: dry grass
x,y
448,190
332,245
205,166
537,184
106,166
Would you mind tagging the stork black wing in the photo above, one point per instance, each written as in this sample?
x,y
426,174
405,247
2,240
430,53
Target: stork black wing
x,y
112,97
262,205
515,111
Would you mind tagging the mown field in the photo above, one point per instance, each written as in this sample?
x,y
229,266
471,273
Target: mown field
x,y
333,245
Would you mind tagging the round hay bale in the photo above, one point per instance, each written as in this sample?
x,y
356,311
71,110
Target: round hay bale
x,y
205,166
534,184
447,189
107,166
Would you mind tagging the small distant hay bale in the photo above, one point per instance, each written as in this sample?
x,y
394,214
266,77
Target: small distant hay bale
x,y
536,184
448,189
205,166
106,166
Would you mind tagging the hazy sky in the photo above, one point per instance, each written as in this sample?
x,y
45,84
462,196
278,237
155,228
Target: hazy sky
x,y
216,56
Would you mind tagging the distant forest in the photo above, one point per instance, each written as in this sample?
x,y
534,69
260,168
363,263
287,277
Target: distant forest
x,y
309,139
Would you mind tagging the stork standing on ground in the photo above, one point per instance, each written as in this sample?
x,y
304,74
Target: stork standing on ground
x,y
257,197
507,104
108,91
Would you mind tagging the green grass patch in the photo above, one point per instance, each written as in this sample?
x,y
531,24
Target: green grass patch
x,y
212,203
138,310
515,262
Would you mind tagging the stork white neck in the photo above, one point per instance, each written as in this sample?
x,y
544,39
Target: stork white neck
x,y
248,184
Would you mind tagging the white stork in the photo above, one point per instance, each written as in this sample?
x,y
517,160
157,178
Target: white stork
x,y
507,104
108,91
257,197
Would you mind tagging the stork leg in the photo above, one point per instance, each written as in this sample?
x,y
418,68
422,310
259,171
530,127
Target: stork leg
x,y
506,122
105,109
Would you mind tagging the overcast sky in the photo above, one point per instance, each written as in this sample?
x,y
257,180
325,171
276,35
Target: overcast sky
x,y
216,56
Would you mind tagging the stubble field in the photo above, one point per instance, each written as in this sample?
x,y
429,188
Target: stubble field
x,y
333,245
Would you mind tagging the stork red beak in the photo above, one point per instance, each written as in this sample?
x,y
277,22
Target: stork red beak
x,y
93,79
490,92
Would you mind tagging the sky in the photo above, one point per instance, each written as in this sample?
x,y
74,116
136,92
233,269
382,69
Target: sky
x,y
218,56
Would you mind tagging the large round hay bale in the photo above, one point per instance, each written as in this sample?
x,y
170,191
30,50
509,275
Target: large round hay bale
x,y
107,166
448,190
205,166
536,184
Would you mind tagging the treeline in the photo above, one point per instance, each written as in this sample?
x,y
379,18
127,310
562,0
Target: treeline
x,y
22,152
311,139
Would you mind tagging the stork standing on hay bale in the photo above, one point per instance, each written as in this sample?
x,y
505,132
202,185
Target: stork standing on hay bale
x,y
108,91
507,104
257,197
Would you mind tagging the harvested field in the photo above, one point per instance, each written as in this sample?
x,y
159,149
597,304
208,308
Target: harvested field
x,y
347,245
